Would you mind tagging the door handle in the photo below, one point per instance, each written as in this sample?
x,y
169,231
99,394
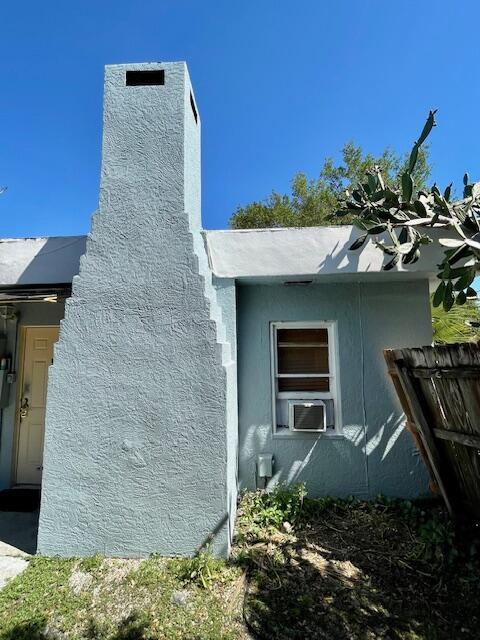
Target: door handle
x,y
24,407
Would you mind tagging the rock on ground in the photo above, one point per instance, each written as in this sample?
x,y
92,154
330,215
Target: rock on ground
x,y
10,566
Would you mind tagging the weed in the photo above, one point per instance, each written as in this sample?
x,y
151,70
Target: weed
x,y
203,569
264,510
91,564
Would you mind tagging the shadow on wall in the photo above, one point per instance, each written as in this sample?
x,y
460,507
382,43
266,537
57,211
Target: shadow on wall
x,y
352,464
342,259
56,262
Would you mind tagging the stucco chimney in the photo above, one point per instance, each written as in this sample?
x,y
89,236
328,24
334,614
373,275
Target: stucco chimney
x,y
138,444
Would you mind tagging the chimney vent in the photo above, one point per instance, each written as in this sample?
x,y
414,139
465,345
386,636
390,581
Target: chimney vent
x,y
145,78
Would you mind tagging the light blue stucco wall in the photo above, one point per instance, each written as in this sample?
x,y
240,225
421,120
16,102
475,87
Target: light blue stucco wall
x,y
29,314
375,454
136,447
227,300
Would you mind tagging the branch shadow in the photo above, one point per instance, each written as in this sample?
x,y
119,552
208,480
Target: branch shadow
x,y
134,627
337,581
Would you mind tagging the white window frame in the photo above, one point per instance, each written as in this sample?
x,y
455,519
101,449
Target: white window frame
x,y
332,394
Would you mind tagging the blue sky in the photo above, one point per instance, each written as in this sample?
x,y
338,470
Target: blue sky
x,y
280,85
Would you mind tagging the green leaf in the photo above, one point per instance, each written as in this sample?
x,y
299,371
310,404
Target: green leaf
x,y
359,242
452,273
439,294
448,192
391,197
420,208
378,228
464,282
457,254
372,183
413,158
392,262
461,298
430,123
448,298
471,293
447,269
407,187
403,236
411,257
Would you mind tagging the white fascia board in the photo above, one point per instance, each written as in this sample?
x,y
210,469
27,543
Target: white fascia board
x,y
36,261
307,252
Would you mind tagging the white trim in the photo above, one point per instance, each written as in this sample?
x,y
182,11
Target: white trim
x,y
20,369
333,359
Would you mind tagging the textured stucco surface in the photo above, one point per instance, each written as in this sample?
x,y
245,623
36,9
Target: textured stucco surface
x,y
227,300
137,443
31,313
375,454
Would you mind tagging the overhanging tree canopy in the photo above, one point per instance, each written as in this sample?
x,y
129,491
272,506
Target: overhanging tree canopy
x,y
406,213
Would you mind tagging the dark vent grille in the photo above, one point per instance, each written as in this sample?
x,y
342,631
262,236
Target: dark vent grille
x,y
145,78
309,417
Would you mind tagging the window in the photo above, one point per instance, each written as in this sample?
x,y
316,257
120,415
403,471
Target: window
x,y
304,377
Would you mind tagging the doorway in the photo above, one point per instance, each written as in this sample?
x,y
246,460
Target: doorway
x,y
37,356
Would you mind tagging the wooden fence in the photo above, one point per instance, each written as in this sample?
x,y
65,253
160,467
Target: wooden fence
x,y
439,389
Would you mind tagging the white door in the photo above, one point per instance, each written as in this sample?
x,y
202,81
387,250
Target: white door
x,y
37,357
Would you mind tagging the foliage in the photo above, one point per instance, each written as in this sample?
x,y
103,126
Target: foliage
x,y
314,202
402,213
271,509
366,569
203,569
454,325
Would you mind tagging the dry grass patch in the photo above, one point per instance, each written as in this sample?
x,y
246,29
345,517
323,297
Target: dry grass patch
x,y
350,570
114,599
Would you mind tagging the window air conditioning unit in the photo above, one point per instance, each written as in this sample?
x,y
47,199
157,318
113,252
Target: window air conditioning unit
x,y
307,415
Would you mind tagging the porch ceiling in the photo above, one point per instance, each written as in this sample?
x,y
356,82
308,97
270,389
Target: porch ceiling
x,y
45,293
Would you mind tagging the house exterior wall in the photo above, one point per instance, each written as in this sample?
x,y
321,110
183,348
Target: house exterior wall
x,y
374,454
227,300
136,448
29,314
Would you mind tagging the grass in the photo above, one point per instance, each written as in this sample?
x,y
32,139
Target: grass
x,y
121,600
316,569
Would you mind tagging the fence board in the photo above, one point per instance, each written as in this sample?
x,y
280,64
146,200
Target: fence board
x,y
439,389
